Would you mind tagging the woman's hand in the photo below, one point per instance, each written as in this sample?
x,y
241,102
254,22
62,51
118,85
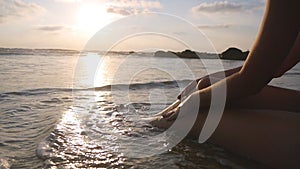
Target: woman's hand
x,y
171,115
188,107
205,81
197,85
171,112
189,89
169,108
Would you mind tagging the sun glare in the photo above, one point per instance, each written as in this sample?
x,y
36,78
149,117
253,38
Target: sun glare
x,y
92,17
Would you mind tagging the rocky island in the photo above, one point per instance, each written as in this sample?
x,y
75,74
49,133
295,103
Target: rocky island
x,y
234,54
230,54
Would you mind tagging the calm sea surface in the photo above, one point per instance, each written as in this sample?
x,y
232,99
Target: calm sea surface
x,y
52,116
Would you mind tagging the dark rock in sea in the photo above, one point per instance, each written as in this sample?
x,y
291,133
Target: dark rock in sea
x,y
184,54
234,54
187,54
161,53
121,52
230,54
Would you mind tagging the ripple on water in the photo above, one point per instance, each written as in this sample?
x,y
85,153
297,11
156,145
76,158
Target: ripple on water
x,y
24,122
69,147
90,135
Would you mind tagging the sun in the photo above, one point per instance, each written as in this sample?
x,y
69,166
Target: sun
x,y
93,17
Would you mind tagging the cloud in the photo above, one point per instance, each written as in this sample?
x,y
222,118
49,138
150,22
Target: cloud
x,y
218,7
15,10
136,4
258,5
128,7
67,1
219,26
117,10
51,28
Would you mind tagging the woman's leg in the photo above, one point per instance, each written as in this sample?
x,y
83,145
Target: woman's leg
x,y
270,97
264,127
267,136
270,137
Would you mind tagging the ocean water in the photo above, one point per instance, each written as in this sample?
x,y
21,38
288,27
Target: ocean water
x,y
59,111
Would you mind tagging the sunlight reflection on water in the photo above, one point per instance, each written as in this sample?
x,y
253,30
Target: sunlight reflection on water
x,y
48,125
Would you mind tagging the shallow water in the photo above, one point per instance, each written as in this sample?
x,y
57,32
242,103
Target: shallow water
x,y
46,124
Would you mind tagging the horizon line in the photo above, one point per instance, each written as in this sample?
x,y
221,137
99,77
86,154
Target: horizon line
x,y
94,50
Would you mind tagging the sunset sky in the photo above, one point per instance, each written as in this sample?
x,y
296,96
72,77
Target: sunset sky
x,y
69,24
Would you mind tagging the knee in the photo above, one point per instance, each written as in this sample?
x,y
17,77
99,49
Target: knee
x,y
203,83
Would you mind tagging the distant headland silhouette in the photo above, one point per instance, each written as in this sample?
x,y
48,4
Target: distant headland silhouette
x,y
231,53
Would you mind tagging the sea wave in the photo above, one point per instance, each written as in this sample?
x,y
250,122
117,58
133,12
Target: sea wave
x,y
46,52
133,86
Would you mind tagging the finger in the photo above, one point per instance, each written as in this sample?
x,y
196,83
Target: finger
x,y
167,114
190,87
173,116
150,119
171,107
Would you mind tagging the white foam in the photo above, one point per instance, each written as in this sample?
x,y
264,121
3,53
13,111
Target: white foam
x,y
4,164
43,150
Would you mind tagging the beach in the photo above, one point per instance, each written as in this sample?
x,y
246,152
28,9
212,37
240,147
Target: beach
x,y
53,114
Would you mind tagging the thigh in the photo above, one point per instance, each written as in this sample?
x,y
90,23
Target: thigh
x,y
270,97
267,136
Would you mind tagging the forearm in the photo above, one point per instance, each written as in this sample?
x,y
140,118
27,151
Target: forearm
x,y
222,74
215,77
230,88
226,73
